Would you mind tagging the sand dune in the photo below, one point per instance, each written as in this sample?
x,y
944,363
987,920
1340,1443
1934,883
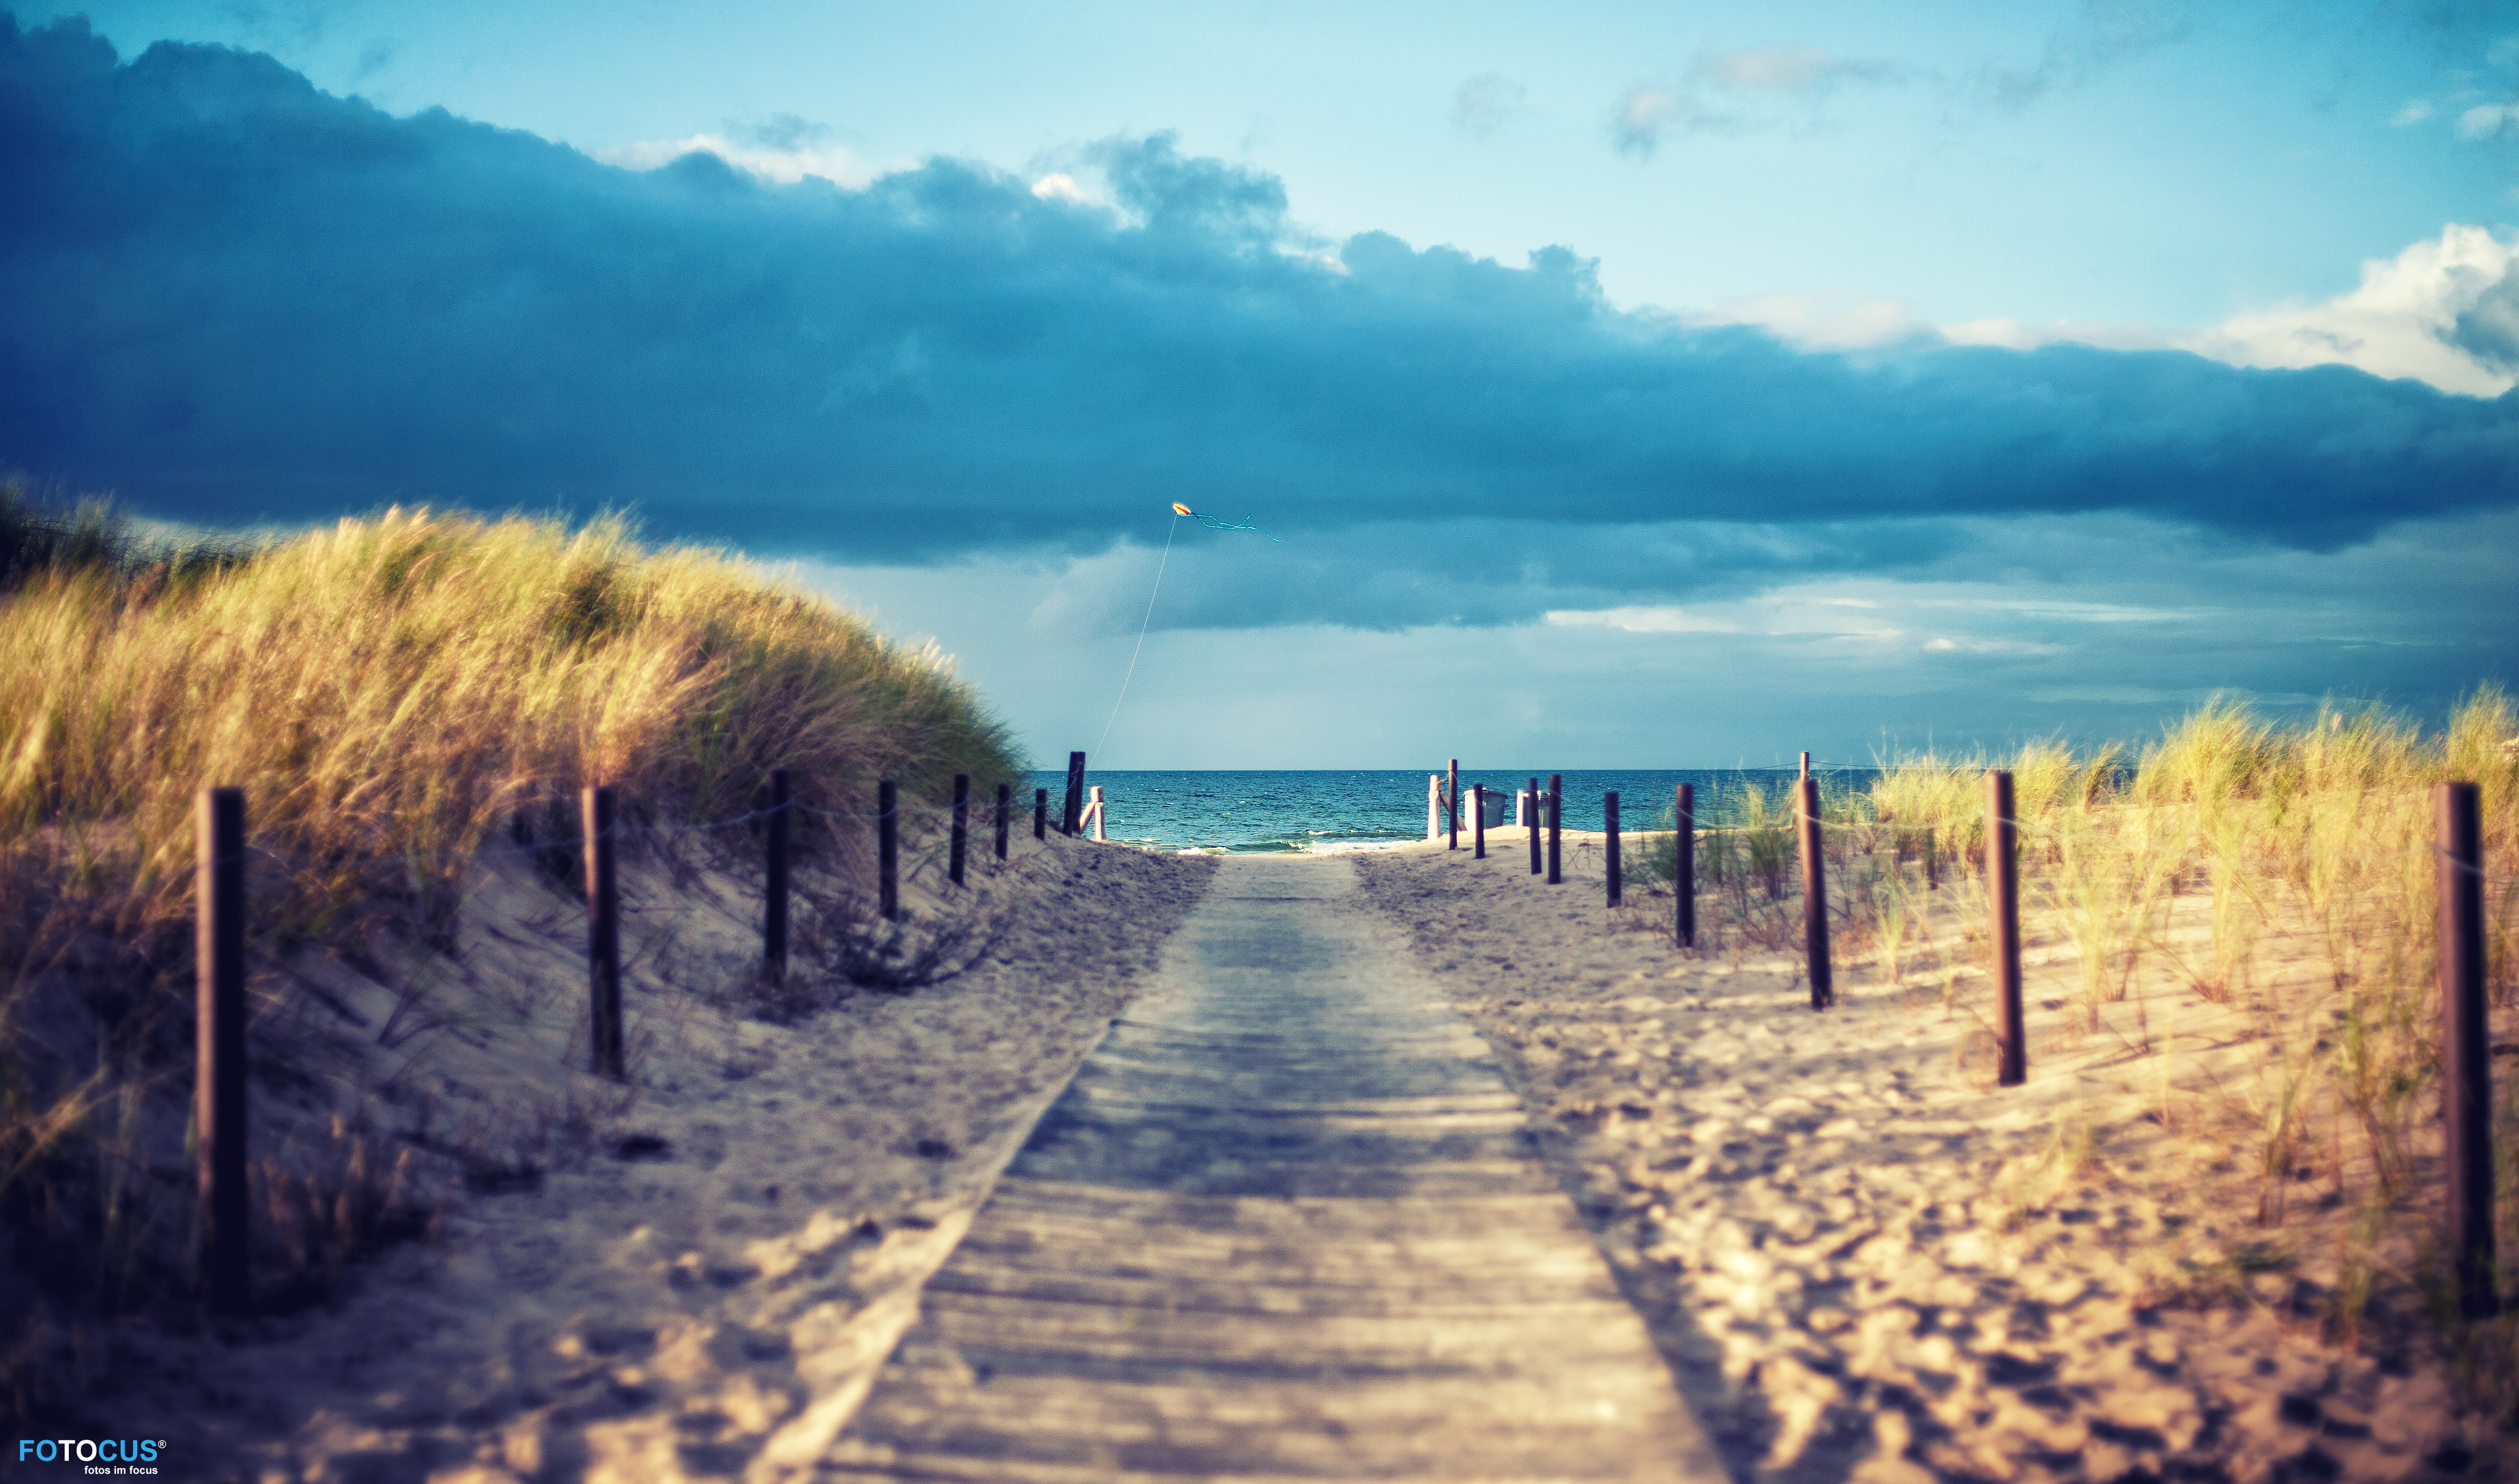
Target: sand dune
x,y
710,1263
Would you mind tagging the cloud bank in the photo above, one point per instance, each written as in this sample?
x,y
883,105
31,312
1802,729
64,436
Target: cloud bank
x,y
226,295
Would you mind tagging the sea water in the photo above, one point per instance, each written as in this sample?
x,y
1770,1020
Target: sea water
x,y
1329,811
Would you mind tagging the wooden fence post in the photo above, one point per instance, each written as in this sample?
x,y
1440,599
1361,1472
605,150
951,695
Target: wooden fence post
x,y
1805,764
595,818
1479,821
1558,817
1453,812
887,848
2467,1049
218,1086
1609,812
1533,818
1101,818
2002,899
1814,894
1006,803
1072,818
1040,813
1683,875
774,926
961,827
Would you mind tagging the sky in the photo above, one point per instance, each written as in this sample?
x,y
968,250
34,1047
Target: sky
x,y
1611,385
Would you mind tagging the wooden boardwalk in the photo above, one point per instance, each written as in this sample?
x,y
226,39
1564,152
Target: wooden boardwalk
x,y
1285,1224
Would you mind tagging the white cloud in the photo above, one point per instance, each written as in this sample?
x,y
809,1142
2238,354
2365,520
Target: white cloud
x,y
2088,613
1791,69
1059,186
2011,334
1486,103
1818,320
1661,619
1648,112
2398,323
2489,120
2414,112
780,164
2402,322
1942,643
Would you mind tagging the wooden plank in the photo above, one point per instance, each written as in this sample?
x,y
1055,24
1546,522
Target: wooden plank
x,y
1286,1223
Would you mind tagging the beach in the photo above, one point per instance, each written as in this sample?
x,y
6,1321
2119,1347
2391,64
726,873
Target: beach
x,y
1858,1257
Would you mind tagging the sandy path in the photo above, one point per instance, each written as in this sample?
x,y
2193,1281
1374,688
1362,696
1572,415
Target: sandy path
x,y
1285,1223
1865,1262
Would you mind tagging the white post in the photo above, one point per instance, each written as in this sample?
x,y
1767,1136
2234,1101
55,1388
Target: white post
x,y
1519,795
1433,805
1097,810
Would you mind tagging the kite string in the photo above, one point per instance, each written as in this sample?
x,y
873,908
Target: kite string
x,y
1141,635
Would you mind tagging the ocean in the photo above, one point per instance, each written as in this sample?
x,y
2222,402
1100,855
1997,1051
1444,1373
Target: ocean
x,y
1265,813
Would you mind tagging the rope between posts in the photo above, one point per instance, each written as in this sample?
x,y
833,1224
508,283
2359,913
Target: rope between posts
x,y
618,830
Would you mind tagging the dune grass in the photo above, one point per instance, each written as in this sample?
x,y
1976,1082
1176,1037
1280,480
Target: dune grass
x,y
2283,872
392,694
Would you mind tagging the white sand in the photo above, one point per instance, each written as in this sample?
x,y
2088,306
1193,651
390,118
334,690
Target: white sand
x,y
718,1305
1865,1262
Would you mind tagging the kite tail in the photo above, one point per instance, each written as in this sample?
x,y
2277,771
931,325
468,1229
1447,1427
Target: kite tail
x,y
1214,524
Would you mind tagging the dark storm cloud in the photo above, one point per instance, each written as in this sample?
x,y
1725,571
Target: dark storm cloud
x,y
227,296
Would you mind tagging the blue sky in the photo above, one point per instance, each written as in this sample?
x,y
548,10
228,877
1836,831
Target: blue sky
x,y
1631,385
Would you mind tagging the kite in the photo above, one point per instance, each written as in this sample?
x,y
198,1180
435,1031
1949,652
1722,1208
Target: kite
x,y
1214,524
1179,510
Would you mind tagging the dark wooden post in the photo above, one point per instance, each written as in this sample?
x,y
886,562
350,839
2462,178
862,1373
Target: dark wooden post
x,y
1531,817
1556,822
218,1084
887,848
961,827
1040,813
1452,808
602,934
1072,820
2003,897
1814,894
2466,1051
774,926
1006,803
1805,764
1609,812
1479,821
1683,874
